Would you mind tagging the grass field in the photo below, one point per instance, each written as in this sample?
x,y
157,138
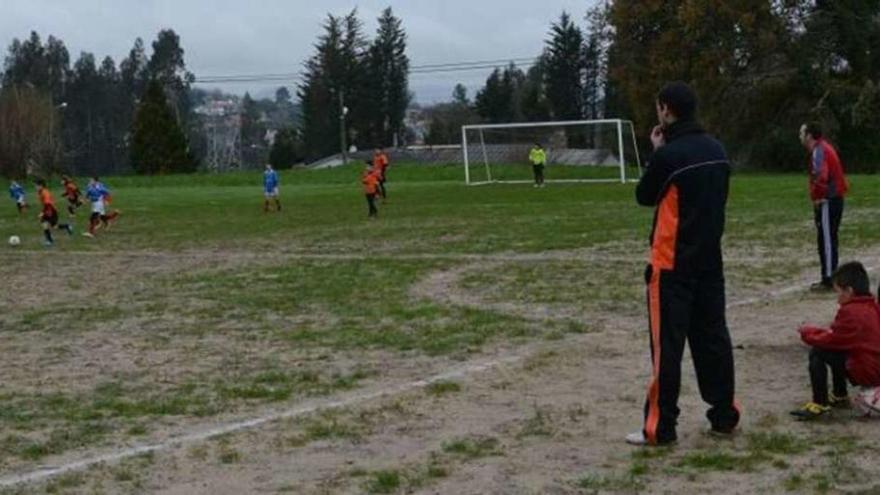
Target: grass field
x,y
197,309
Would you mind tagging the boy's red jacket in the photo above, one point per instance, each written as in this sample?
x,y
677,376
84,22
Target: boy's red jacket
x,y
827,179
855,331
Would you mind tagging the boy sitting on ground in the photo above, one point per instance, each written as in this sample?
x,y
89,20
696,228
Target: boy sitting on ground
x,y
851,347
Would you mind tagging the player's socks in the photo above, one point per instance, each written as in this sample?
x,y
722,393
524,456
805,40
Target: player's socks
x,y
48,235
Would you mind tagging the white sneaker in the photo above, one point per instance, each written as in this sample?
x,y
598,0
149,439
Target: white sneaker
x,y
637,438
88,234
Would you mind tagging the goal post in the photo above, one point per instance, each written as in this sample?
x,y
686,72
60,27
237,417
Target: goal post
x,y
603,150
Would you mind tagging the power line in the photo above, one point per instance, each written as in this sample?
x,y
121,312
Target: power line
x,y
414,70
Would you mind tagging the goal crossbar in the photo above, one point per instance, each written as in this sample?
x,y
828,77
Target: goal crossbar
x,y
619,126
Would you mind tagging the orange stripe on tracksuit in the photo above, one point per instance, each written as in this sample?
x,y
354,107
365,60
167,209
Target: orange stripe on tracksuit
x,y
662,258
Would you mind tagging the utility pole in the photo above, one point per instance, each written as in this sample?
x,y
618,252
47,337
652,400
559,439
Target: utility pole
x,y
343,111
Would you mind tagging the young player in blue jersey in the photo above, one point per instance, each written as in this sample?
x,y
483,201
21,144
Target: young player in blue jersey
x,y
16,192
99,195
270,188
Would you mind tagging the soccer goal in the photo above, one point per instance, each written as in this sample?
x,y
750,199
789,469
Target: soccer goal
x,y
577,151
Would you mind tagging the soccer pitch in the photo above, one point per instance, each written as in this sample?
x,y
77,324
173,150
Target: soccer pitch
x,y
470,340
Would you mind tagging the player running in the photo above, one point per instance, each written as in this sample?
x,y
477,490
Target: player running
x,y
380,165
370,181
99,196
49,216
270,188
16,192
72,193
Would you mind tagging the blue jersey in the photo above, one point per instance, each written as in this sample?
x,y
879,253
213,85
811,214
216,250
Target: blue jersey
x,y
270,180
16,192
97,192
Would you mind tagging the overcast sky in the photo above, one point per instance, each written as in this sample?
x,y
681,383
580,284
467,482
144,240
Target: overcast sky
x,y
225,37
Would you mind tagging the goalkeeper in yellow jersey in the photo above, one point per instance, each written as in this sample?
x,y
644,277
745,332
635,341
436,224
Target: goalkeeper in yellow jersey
x,y
538,157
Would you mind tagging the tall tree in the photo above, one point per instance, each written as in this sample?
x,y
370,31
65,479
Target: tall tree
x,y
27,124
253,132
533,99
332,78
499,100
159,146
564,73
387,67
167,66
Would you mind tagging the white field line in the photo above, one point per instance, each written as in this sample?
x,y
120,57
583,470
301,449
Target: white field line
x,y
456,372
547,256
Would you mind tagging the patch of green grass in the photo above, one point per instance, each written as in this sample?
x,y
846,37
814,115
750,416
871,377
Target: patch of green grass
x,y
794,483
473,447
443,388
718,460
384,482
777,443
65,482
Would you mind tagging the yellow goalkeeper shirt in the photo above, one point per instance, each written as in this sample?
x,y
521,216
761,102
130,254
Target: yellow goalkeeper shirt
x,y
537,156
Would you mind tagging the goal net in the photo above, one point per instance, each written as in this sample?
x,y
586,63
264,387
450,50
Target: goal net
x,y
576,151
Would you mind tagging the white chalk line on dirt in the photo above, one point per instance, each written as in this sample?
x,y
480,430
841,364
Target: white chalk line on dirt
x,y
546,256
458,372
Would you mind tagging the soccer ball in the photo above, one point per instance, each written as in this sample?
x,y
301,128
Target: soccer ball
x,y
14,240
867,401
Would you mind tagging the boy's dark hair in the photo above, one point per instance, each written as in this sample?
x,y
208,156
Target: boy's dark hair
x,y
680,99
814,129
852,275
40,182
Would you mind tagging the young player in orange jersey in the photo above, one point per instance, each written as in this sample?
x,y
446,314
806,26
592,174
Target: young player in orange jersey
x,y
370,180
72,193
49,215
380,166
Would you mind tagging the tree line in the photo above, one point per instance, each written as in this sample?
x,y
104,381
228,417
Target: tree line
x,y
760,69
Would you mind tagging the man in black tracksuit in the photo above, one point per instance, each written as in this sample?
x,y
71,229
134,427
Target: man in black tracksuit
x,y
686,181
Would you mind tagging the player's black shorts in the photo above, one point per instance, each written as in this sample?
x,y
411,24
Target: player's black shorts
x,y
50,217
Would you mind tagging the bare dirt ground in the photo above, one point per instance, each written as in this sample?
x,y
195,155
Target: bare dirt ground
x,y
549,419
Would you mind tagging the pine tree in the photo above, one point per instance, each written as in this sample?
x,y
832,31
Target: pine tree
x,y
387,67
285,150
564,73
253,133
159,146
333,78
499,100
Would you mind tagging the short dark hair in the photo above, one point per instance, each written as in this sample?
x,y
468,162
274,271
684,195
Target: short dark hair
x,y
680,99
814,129
40,182
852,275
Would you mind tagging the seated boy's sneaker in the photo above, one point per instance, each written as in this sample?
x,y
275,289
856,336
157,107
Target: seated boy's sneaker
x,y
841,402
810,410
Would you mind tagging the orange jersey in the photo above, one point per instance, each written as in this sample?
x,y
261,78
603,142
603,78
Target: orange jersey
x,y
371,182
71,192
46,199
380,161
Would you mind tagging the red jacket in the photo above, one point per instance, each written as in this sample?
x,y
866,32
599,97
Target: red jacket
x,y
855,331
827,179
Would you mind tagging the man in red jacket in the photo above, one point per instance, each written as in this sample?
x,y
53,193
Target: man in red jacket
x,y
827,188
851,348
